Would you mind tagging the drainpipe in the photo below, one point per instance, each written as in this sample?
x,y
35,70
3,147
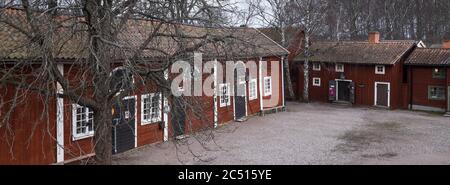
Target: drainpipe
x,y
410,88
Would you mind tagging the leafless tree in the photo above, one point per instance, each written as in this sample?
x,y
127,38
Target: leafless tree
x,y
91,36
308,14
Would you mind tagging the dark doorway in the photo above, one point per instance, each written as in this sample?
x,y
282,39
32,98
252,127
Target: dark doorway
x,y
344,90
239,94
124,131
382,94
178,115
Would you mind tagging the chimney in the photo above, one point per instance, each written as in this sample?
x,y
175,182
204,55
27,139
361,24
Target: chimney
x,y
374,37
446,44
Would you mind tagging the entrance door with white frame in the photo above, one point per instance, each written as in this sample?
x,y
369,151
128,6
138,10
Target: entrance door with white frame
x,y
382,94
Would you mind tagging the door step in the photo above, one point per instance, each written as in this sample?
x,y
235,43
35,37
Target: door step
x,y
242,119
181,137
447,114
345,103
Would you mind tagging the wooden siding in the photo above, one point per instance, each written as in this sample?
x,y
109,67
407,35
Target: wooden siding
x,y
363,76
421,80
32,132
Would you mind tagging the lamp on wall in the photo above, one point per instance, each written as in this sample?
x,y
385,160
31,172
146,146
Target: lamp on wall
x,y
436,70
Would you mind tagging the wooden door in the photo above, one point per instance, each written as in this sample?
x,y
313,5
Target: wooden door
x,y
382,95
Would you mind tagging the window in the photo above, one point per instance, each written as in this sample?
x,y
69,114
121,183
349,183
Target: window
x,y
224,95
316,66
267,86
339,67
316,82
151,108
380,70
82,122
439,73
252,90
436,93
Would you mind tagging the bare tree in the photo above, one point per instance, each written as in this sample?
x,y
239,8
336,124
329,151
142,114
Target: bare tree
x,y
92,37
272,14
308,14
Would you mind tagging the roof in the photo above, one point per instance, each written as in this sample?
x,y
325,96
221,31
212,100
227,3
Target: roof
x,y
385,52
275,35
429,56
225,42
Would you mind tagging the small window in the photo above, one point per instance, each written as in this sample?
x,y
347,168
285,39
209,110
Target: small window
x,y
224,95
380,70
267,86
151,109
436,93
439,73
339,67
252,90
82,122
316,66
316,82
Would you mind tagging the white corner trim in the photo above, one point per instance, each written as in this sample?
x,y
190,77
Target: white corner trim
x,y
282,81
165,115
216,115
60,120
260,85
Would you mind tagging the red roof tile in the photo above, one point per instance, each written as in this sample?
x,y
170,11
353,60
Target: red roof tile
x,y
429,56
385,52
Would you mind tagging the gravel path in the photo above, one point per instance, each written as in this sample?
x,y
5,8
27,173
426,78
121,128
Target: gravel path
x,y
311,134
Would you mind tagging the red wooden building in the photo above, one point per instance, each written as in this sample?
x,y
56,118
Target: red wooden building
x,y
429,79
65,133
361,73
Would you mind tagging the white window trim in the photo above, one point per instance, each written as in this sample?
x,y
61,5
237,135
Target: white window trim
x,y
267,92
436,98
314,82
228,103
151,120
337,70
317,69
380,73
75,135
255,95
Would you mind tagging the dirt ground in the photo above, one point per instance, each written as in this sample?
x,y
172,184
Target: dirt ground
x,y
311,134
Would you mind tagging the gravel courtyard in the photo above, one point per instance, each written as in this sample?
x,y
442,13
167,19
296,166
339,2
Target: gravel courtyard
x,y
311,134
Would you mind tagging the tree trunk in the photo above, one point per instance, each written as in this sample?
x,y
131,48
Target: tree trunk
x,y
288,83
103,135
306,70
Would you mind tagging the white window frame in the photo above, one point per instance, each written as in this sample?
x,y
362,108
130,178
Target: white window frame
x,y
436,98
337,68
78,136
316,84
159,113
254,95
316,68
228,103
267,91
378,72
